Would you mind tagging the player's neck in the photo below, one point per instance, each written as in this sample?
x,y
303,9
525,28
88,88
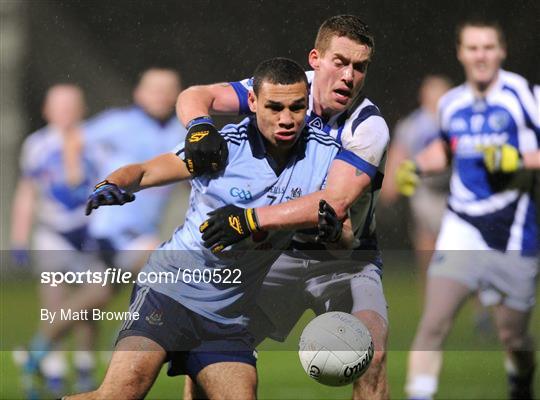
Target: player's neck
x,y
279,155
481,89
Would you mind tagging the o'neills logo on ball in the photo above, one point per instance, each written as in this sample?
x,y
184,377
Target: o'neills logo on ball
x,y
314,372
360,366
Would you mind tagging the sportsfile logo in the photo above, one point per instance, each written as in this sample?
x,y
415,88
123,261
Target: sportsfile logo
x,y
197,136
234,222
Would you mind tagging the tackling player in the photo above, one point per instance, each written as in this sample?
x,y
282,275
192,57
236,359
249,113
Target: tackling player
x,y
199,325
343,50
490,130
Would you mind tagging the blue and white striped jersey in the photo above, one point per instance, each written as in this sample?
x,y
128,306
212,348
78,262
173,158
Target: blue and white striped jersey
x,y
125,136
250,180
364,137
499,206
61,205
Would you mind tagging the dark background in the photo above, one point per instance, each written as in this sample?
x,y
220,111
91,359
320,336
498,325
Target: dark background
x,y
104,45
212,41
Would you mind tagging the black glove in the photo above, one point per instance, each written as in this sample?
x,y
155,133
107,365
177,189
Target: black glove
x,y
329,226
228,225
205,149
107,194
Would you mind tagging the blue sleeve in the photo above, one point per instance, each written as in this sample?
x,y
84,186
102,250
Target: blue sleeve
x,y
242,88
351,158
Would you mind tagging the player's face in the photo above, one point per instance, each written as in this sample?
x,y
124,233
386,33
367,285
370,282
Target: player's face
x,y
281,112
481,55
64,106
157,93
339,74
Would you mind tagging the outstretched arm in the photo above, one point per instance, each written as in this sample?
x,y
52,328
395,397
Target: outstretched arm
x,y
161,170
119,186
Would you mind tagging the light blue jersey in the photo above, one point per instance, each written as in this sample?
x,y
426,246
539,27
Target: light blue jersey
x,y
364,136
250,180
61,205
126,136
498,205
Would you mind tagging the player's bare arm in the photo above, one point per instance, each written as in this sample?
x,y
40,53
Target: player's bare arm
x,y
206,151
119,186
434,159
161,170
23,210
531,160
345,184
202,100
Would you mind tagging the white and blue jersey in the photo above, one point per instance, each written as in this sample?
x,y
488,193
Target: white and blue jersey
x,y
498,206
251,179
363,135
125,136
61,205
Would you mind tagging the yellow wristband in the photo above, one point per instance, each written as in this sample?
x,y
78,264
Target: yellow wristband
x,y
251,218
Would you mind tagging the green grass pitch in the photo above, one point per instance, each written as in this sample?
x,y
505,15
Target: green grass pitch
x,y
473,371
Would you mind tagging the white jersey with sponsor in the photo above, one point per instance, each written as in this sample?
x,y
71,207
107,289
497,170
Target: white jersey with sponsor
x,y
61,205
364,137
499,206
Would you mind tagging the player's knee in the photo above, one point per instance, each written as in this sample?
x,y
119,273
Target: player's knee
x,y
513,340
379,359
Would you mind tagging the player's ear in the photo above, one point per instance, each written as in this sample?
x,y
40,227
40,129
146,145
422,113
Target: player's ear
x,y
252,101
314,59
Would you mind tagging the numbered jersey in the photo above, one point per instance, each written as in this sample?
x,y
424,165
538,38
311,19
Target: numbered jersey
x,y
251,179
61,205
125,136
363,135
498,205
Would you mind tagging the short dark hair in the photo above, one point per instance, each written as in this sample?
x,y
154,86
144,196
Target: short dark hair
x,y
349,26
279,70
480,23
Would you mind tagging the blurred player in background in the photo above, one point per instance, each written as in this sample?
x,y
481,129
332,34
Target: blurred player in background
x,y
343,50
126,235
130,135
412,135
57,173
490,129
200,325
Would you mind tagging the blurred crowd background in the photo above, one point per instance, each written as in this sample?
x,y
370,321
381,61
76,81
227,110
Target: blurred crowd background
x,y
103,46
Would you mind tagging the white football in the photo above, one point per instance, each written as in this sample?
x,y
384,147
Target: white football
x,y
335,348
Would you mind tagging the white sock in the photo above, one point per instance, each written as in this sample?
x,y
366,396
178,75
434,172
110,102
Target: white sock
x,y
84,360
54,365
421,386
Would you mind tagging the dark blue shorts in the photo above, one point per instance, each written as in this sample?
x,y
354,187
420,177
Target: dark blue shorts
x,y
191,341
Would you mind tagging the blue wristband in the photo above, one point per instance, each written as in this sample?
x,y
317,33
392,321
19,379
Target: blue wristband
x,y
200,120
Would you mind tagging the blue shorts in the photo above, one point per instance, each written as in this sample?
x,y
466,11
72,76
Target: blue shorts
x,y
191,341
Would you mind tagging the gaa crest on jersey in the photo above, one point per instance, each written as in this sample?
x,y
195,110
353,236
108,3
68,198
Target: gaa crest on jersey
x,y
498,120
